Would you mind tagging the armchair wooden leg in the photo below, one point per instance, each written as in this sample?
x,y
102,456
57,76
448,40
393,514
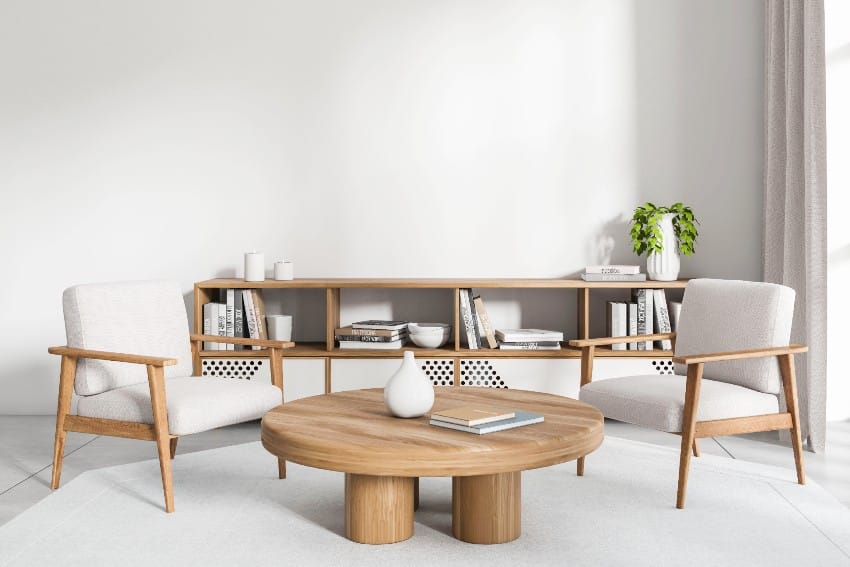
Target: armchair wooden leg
x,y
789,383
586,376
696,448
281,468
580,466
67,373
172,446
156,381
688,426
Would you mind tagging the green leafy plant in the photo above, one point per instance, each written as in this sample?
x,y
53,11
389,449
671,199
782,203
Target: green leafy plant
x,y
646,234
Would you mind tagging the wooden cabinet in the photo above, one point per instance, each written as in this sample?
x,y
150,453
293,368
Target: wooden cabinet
x,y
331,288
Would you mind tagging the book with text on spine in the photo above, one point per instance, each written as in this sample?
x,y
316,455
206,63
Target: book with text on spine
x,y
368,332
528,335
368,339
534,345
486,326
227,297
662,318
368,345
466,318
613,269
520,419
614,277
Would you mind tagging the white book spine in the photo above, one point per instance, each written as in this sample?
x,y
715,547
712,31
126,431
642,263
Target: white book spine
x,y
208,307
620,327
231,316
466,316
650,310
633,324
222,324
250,315
662,318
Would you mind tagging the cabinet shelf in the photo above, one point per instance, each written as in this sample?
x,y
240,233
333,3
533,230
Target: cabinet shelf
x,y
206,291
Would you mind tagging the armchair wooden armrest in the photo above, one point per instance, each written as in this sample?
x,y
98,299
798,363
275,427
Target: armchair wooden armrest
x,y
607,341
739,354
114,356
242,341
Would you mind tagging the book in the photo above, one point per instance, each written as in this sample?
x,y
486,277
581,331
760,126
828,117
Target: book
x,y
238,317
379,325
643,298
662,318
250,315
472,415
367,339
520,419
481,310
466,319
614,277
632,324
613,269
479,342
259,314
227,298
528,335
221,317
534,345
208,318
674,310
617,322
368,332
382,346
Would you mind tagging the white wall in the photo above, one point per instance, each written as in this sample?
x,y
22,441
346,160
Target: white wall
x,y
162,139
838,186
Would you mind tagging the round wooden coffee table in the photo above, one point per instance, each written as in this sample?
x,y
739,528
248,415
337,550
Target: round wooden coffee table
x,y
383,456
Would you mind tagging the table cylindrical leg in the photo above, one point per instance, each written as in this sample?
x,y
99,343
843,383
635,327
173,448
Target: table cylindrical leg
x,y
487,508
378,509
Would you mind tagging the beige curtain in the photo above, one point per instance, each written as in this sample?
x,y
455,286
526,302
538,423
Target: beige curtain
x,y
795,188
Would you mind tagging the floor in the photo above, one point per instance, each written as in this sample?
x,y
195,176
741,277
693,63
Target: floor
x,y
26,451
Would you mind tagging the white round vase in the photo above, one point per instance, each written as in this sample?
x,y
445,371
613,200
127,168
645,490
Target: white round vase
x,y
664,266
409,392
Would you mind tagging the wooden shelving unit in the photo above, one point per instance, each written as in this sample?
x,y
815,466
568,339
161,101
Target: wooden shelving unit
x,y
206,291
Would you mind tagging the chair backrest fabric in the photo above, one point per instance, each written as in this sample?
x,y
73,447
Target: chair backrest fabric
x,y
727,315
142,317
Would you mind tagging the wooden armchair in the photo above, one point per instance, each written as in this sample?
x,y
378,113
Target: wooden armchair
x,y
724,392
152,396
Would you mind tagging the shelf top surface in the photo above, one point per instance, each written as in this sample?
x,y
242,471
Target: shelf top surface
x,y
433,283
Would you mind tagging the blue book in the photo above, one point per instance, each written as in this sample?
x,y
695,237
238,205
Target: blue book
x,y
520,419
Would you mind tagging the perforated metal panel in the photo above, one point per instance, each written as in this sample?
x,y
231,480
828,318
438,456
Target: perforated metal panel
x,y
242,368
663,366
477,372
441,371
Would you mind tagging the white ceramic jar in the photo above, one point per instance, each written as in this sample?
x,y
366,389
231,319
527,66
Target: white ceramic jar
x,y
409,392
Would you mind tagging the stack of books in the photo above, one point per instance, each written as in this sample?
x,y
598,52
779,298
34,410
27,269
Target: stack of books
x,y
529,339
613,273
237,313
476,329
373,334
482,419
646,314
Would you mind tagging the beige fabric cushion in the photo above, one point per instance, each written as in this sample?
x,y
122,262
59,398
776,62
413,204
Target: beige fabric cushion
x,y
658,401
726,315
147,317
194,404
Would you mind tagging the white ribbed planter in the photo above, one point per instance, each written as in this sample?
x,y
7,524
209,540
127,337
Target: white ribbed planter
x,y
664,266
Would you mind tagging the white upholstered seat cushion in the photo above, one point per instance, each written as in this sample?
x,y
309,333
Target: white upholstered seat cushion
x,y
194,404
658,401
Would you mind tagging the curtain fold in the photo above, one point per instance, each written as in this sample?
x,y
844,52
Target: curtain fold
x,y
795,252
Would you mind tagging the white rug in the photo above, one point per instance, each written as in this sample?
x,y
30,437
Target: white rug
x,y
231,510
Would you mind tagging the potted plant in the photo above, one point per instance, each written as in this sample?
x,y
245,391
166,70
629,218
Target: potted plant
x,y
662,233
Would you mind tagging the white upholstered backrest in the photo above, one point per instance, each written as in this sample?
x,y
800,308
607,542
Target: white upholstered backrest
x,y
726,315
146,317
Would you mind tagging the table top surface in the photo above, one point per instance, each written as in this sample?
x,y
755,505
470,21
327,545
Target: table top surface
x,y
354,432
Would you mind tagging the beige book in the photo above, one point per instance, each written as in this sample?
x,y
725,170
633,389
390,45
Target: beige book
x,y
260,311
472,415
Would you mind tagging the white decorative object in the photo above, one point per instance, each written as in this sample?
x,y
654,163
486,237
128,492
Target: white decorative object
x,y
409,392
429,335
255,267
675,309
664,266
284,270
280,327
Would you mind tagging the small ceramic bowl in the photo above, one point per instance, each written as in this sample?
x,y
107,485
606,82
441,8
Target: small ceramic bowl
x,y
429,340
428,328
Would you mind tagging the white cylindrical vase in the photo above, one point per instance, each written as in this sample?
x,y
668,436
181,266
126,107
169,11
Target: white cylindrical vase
x,y
409,392
284,271
664,266
255,267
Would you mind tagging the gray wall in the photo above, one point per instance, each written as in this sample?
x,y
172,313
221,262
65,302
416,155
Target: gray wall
x,y
371,138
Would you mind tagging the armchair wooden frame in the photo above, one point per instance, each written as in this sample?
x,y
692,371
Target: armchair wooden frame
x,y
158,431
693,429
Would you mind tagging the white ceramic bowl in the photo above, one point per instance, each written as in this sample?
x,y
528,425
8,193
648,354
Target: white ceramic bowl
x,y
428,328
430,340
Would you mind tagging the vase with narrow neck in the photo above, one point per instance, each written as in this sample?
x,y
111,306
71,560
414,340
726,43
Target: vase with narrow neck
x,y
664,266
409,392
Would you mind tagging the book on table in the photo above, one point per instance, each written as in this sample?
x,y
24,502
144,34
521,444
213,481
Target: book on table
x,y
369,338
380,325
472,415
352,331
614,277
520,419
613,269
531,345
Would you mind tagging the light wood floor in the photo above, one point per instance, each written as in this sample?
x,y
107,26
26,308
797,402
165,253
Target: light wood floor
x,y
26,445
